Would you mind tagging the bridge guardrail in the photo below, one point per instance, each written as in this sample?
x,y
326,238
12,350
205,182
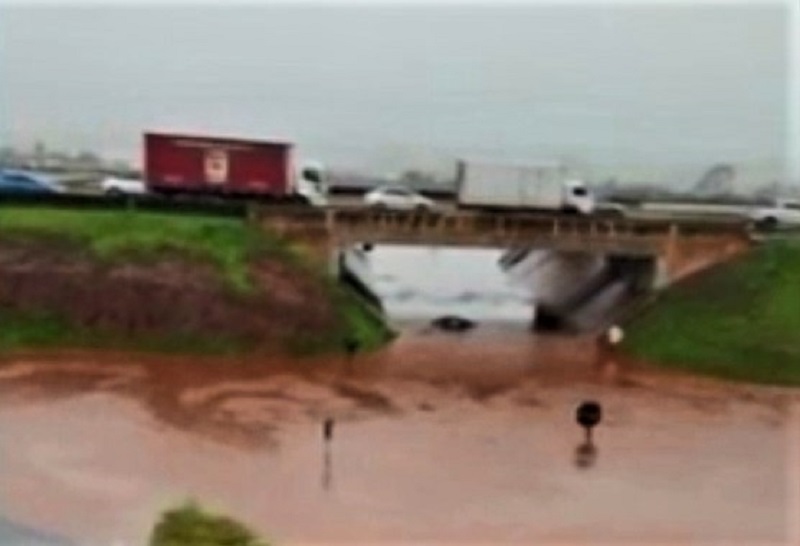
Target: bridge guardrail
x,y
558,223
360,217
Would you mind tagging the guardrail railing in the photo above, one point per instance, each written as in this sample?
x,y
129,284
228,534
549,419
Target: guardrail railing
x,y
540,222
344,220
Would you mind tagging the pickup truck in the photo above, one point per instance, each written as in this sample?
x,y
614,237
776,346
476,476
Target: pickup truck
x,y
783,214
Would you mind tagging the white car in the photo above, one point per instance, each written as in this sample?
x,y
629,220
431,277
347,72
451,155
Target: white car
x,y
398,198
123,186
784,213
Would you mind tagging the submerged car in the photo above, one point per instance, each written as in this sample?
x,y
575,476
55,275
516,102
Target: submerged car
x,y
453,323
398,198
28,183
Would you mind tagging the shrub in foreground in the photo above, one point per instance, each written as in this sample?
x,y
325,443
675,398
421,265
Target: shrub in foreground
x,y
190,525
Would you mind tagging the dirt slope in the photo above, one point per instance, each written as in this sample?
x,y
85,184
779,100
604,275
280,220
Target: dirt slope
x,y
163,297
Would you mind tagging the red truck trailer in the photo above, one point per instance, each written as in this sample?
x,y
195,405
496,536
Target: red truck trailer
x,y
191,164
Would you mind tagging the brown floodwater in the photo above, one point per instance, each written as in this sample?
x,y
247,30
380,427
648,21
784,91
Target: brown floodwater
x,y
437,439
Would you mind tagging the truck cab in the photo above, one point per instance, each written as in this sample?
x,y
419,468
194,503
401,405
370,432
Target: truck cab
x,y
312,183
578,197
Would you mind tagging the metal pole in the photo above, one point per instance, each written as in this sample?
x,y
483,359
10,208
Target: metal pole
x,y
793,91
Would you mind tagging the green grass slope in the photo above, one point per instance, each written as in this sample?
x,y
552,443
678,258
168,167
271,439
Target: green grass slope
x,y
228,244
739,321
122,235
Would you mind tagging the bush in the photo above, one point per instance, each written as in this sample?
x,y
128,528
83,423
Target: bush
x,y
189,525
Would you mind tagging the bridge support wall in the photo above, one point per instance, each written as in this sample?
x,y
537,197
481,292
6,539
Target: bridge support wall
x,y
685,255
631,276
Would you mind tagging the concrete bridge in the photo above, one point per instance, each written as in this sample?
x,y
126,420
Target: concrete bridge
x,y
643,255
678,243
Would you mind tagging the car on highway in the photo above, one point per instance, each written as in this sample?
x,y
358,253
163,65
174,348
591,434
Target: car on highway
x,y
784,213
112,185
398,198
28,183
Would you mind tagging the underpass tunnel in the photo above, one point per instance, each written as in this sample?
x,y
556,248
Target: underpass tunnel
x,y
417,285
573,291
594,302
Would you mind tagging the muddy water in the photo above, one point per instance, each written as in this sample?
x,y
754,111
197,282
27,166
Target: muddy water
x,y
417,284
434,441
441,439
420,283
438,438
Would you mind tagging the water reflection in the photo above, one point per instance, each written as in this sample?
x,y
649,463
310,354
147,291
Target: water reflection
x,y
585,455
327,467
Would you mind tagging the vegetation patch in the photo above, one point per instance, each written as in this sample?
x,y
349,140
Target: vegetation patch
x,y
358,320
738,321
190,525
44,330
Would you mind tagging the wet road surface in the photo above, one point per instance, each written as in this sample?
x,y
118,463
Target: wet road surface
x,y
435,440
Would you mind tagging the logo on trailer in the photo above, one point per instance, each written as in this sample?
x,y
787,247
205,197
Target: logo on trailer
x,y
216,166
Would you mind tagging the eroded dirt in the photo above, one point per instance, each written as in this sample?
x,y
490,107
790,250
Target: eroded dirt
x,y
172,295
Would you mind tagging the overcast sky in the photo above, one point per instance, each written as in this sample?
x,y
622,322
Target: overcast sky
x,y
610,84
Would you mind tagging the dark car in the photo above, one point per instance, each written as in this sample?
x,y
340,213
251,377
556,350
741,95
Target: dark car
x,y
453,323
22,182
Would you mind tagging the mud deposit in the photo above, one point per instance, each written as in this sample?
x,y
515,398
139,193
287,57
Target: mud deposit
x,y
183,297
436,441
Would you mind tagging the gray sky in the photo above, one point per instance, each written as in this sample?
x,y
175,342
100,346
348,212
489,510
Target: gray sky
x,y
384,87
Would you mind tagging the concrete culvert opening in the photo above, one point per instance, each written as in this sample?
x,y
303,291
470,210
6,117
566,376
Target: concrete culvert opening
x,y
550,291
599,300
549,320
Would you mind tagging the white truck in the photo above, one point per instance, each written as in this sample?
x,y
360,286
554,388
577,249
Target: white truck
x,y
498,186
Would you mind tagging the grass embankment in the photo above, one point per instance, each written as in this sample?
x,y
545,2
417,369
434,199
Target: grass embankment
x,y
739,321
115,236
361,322
48,331
227,244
